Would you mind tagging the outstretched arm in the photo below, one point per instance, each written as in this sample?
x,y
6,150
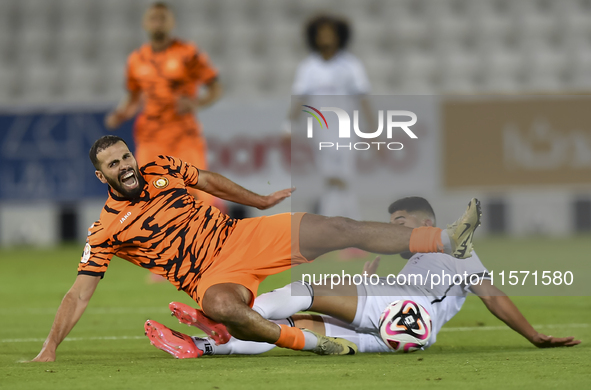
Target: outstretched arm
x,y
217,185
68,314
504,309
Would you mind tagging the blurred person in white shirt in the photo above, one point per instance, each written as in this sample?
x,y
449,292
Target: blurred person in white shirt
x,y
331,70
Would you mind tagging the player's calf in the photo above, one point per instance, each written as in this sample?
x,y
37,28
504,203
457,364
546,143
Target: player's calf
x,y
225,303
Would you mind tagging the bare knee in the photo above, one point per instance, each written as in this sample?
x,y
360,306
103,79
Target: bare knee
x,y
224,304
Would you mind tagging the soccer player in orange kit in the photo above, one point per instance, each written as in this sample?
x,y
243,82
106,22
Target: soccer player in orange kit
x,y
164,76
151,221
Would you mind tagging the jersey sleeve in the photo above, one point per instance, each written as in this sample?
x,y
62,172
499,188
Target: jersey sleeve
x,y
131,83
190,173
168,165
97,253
301,82
474,270
199,67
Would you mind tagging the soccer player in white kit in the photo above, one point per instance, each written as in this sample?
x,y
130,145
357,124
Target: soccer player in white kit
x,y
355,310
330,70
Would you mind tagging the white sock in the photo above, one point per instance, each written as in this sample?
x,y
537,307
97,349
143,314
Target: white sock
x,y
237,347
311,340
446,242
204,344
284,302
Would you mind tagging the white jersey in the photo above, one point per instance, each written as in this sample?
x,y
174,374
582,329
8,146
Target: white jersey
x,y
343,74
442,301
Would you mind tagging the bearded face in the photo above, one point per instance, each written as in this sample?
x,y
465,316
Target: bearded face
x,y
129,183
119,169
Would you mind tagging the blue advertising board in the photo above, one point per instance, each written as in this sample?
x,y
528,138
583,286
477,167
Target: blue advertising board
x,y
44,155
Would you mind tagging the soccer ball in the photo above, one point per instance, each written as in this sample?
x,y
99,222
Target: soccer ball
x,y
405,326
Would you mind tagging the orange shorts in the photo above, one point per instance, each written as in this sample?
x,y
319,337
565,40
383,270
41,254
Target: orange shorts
x,y
257,248
191,150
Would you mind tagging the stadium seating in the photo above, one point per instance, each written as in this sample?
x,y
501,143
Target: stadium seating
x,y
74,51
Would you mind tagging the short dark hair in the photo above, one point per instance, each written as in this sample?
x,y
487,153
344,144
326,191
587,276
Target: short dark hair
x,y
341,28
411,204
161,4
101,144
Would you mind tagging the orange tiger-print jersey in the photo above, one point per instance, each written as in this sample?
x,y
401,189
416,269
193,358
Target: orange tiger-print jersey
x,y
162,77
165,230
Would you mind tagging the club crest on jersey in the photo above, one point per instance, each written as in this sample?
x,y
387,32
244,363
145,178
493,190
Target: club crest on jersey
x,y
160,183
172,64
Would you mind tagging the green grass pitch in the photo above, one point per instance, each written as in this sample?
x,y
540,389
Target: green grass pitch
x,y
107,349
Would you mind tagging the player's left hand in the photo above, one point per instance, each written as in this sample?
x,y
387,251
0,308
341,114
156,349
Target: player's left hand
x,y
371,267
542,341
275,198
185,105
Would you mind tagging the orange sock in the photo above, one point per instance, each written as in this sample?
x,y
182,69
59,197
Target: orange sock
x,y
292,338
426,239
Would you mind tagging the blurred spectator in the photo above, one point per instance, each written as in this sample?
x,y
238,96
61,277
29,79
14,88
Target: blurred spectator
x,y
331,70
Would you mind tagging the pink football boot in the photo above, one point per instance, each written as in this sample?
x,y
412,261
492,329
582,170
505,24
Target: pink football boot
x,y
175,343
194,317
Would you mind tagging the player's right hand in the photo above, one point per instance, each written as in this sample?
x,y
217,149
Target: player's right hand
x,y
542,341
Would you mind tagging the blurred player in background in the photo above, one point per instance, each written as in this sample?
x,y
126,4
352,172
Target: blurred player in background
x,y
331,70
164,76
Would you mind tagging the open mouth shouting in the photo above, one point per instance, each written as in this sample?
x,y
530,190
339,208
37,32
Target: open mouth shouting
x,y
129,179
129,183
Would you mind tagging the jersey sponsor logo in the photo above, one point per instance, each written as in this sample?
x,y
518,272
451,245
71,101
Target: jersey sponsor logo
x,y
86,253
125,217
160,183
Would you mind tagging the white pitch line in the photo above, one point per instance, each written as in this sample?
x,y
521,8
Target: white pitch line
x,y
489,328
39,340
90,310
456,329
